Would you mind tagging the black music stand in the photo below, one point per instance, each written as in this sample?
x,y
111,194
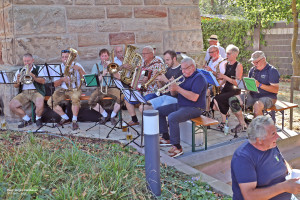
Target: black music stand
x,y
4,79
51,71
134,96
92,80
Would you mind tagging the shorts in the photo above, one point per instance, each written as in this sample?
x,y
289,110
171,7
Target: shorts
x,y
267,101
28,95
97,96
62,94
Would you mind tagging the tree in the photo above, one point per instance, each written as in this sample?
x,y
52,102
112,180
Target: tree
x,y
219,7
263,13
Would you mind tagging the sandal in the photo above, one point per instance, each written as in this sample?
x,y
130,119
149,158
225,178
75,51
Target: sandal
x,y
239,128
221,126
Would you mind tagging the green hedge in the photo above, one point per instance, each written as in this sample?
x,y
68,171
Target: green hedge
x,y
238,32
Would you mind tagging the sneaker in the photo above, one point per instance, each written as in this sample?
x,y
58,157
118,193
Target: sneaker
x,y
62,122
103,120
113,121
164,143
24,123
132,123
174,152
239,128
75,125
39,123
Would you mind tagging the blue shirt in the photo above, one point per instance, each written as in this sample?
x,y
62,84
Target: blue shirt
x,y
249,164
197,84
107,78
266,76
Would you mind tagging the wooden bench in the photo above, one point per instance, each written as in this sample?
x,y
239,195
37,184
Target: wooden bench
x,y
202,123
280,106
82,97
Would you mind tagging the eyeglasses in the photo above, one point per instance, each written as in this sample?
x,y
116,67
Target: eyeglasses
x,y
228,53
146,53
256,62
182,69
211,51
65,51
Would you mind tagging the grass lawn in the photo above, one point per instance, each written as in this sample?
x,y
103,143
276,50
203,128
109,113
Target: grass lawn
x,y
51,167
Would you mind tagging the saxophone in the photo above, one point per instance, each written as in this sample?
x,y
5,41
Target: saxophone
x,y
25,77
217,89
145,86
71,73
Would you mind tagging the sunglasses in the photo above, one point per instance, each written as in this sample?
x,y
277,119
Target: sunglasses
x,y
65,51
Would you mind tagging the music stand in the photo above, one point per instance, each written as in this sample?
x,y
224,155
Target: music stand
x,y
4,79
134,96
92,80
50,71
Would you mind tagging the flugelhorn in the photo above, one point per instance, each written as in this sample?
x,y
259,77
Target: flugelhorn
x,y
165,88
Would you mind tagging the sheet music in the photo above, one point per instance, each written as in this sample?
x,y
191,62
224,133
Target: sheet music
x,y
210,78
119,84
51,70
3,77
240,84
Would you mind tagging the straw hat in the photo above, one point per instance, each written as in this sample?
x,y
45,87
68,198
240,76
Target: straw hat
x,y
256,55
213,37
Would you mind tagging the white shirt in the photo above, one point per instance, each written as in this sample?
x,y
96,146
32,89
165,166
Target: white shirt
x,y
77,74
213,65
118,61
29,86
222,53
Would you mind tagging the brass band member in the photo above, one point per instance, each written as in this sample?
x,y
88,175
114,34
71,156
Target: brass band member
x,y
267,80
119,55
62,92
97,96
233,72
150,64
33,90
173,72
191,104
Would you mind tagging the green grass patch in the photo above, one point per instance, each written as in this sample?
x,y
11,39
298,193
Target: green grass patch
x,y
49,167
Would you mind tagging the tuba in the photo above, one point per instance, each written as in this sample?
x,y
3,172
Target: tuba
x,y
132,58
71,73
25,77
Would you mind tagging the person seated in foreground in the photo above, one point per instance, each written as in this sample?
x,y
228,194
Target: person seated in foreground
x,y
258,169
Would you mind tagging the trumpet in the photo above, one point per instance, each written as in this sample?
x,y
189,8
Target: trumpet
x,y
165,88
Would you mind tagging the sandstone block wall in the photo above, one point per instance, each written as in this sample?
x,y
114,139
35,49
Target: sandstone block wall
x,y
44,27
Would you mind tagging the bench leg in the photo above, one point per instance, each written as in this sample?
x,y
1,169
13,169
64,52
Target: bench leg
x,y
204,128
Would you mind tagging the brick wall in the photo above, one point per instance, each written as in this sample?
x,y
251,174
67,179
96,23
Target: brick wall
x,y
278,48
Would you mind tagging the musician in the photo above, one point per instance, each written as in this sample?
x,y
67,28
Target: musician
x,y
151,65
119,55
267,80
213,40
62,91
34,92
97,96
233,73
191,104
173,72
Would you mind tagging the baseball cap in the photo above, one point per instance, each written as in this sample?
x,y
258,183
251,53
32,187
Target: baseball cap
x,y
256,55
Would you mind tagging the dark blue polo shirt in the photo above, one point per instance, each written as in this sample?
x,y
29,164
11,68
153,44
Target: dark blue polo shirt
x,y
266,76
197,84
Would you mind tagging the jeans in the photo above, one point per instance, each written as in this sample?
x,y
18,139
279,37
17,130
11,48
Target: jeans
x,y
175,116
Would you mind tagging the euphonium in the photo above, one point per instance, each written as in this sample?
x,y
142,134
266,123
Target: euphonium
x,y
132,58
165,88
71,74
25,76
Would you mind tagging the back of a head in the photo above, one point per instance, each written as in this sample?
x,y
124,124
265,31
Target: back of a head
x,y
257,128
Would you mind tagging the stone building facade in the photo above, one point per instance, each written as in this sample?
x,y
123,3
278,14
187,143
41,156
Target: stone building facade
x,y
45,27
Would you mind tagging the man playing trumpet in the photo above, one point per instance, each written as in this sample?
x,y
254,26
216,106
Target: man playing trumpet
x,y
191,104
33,90
63,92
97,96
